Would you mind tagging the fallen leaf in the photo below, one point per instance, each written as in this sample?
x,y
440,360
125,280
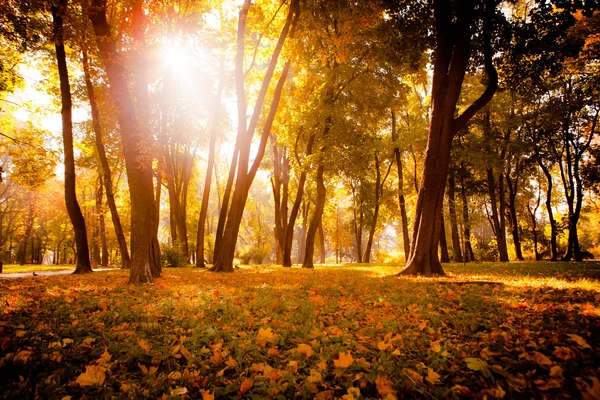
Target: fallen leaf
x,y
580,341
383,346
206,395
344,361
245,386
432,376
104,358
541,359
264,336
93,375
384,386
178,391
305,349
497,392
22,357
144,345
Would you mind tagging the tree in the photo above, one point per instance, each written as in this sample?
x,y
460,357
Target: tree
x,y
453,37
136,150
241,172
83,254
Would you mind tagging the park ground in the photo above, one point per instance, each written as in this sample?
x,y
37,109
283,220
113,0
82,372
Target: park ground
x,y
518,330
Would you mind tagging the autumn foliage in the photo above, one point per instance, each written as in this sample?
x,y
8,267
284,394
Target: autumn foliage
x,y
486,331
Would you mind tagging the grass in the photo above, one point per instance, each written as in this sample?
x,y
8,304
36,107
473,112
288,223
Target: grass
x,y
518,330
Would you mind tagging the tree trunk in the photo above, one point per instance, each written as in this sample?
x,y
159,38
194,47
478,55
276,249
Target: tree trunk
x,y
553,226
214,130
444,256
231,219
289,234
379,186
75,215
497,217
456,247
453,39
469,255
514,222
316,219
106,171
401,200
136,150
303,230
321,243
102,223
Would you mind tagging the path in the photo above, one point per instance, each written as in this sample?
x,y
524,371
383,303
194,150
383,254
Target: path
x,y
48,273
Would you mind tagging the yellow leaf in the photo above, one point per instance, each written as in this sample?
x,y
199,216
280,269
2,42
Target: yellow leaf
x,y
264,336
22,357
344,361
541,359
175,375
432,376
293,366
414,376
66,398
435,346
178,391
315,376
556,370
104,358
245,386
186,353
396,352
383,346
384,386
353,394
580,341
66,342
305,349
93,375
206,395
144,345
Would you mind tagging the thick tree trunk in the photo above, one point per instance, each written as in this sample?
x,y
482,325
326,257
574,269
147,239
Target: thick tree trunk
x,y
453,38
136,150
401,200
456,247
106,171
83,259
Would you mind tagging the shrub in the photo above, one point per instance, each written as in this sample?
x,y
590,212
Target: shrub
x,y
172,257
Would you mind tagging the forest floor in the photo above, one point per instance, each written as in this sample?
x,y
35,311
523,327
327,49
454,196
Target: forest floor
x,y
518,330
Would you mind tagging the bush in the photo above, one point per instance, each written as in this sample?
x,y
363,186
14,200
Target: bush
x,y
172,257
254,254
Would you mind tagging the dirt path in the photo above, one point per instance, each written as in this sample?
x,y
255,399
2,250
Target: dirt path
x,y
47,273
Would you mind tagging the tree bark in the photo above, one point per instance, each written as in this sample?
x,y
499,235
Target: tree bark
x,y
75,215
456,247
453,39
469,255
553,226
497,217
512,208
444,256
289,234
401,200
379,186
105,166
136,150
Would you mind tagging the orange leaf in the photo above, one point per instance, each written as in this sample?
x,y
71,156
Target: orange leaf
x,y
245,386
264,336
384,386
144,345
580,341
93,375
206,395
104,358
541,359
432,376
344,361
305,349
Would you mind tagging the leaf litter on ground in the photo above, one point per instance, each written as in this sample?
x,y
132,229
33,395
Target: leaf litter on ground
x,y
521,330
